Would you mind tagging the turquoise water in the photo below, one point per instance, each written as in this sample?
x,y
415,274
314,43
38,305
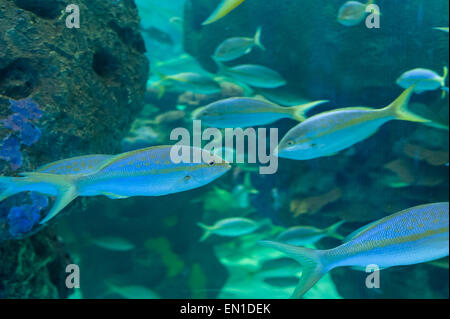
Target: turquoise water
x,y
147,231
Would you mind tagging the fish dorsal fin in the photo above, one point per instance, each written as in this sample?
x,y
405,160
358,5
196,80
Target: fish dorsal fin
x,y
261,98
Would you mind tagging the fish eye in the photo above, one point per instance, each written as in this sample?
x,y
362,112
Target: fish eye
x,y
187,178
211,163
290,143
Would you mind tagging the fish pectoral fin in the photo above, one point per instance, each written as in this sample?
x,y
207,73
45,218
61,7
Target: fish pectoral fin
x,y
66,194
115,196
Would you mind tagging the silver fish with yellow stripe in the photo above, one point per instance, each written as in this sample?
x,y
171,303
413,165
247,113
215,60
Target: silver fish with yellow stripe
x,y
415,235
247,112
146,172
328,133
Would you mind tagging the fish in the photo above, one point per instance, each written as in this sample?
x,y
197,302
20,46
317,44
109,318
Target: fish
x,y
140,138
247,112
443,29
404,173
424,79
432,157
328,133
415,235
113,243
283,96
279,267
281,282
237,47
158,35
224,8
178,21
307,235
254,75
144,172
353,13
132,291
168,117
188,81
313,204
229,227
184,62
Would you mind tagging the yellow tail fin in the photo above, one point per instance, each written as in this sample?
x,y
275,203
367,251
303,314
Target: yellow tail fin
x,y
312,267
207,230
444,79
332,230
399,108
444,75
61,186
299,111
258,39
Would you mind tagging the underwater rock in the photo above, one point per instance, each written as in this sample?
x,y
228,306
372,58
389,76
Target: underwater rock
x,y
319,57
63,92
34,268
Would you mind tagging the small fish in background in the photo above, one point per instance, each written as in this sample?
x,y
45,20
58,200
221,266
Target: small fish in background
x,y
141,137
257,76
415,235
222,200
230,227
248,112
237,47
353,13
168,117
188,81
281,282
177,21
313,204
144,172
443,29
225,7
406,173
113,243
158,35
171,66
328,133
307,235
283,96
423,79
217,200
131,291
279,267
432,157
